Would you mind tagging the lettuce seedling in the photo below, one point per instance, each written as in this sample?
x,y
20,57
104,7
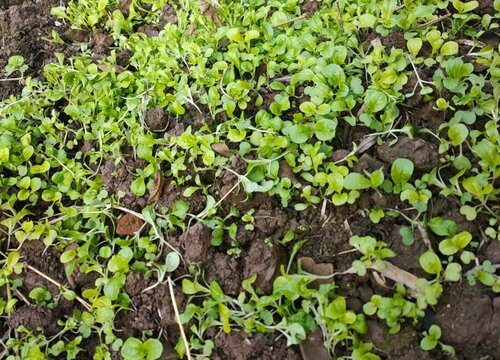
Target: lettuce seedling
x,y
135,349
16,63
373,252
431,340
394,310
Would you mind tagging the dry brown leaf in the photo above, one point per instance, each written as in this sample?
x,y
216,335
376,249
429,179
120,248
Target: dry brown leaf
x,y
376,42
398,275
322,269
191,29
379,279
209,11
129,225
106,68
394,273
221,149
362,109
366,143
157,188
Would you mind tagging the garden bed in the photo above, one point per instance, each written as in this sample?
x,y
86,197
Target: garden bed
x,y
287,181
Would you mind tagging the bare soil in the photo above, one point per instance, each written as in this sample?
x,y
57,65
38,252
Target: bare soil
x,y
469,316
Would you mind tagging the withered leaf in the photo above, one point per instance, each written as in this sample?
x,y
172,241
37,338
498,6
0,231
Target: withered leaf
x,y
221,149
398,275
322,269
128,225
191,29
157,188
208,10
362,109
106,68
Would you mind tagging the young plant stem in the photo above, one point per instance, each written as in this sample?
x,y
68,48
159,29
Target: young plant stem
x,y
473,270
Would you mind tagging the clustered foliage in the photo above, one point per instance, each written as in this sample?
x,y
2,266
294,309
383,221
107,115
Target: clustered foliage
x,y
220,64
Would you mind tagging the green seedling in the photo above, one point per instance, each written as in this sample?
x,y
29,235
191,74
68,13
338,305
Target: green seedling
x,y
133,348
374,252
280,95
16,63
486,275
394,310
431,340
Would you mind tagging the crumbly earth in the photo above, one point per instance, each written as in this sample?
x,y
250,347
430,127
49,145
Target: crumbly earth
x,y
468,316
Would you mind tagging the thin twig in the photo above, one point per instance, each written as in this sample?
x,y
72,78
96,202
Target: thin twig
x,y
59,285
12,79
435,21
132,212
323,209
177,316
23,298
340,16
477,267
345,252
424,235
303,16
285,78
203,214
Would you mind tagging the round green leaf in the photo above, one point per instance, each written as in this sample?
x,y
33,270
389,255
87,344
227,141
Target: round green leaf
x,y
366,20
458,133
453,272
153,348
325,129
449,48
430,262
356,181
447,247
299,133
401,170
428,343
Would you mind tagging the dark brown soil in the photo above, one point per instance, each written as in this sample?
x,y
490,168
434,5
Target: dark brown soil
x,y
155,120
240,346
23,25
468,316
423,154
403,346
485,7
118,178
39,318
394,40
309,7
149,309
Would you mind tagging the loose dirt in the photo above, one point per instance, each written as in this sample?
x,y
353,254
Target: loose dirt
x,y
468,316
